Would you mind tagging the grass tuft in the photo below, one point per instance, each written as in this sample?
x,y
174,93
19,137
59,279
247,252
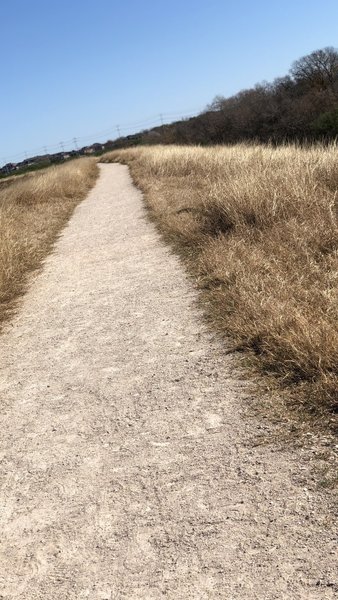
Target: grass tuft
x,y
259,227
33,210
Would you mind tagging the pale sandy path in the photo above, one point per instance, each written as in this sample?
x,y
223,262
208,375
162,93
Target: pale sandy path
x,y
126,470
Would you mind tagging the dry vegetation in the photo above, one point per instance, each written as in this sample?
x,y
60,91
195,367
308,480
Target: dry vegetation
x,y
32,213
258,226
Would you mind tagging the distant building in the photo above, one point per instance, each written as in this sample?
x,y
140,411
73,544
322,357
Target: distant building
x,y
93,148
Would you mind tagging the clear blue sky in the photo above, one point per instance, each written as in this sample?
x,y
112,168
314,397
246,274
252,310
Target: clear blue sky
x,y
78,67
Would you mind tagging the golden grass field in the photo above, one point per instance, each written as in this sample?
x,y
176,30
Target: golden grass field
x,y
258,227
32,212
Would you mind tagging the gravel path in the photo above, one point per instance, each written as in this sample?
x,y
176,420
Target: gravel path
x,y
126,470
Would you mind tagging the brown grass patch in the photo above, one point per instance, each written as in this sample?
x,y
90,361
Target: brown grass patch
x,y
32,212
258,226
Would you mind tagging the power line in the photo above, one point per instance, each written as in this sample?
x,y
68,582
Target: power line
x,y
6,167
151,121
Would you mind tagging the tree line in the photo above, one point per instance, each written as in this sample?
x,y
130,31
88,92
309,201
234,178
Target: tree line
x,y
302,106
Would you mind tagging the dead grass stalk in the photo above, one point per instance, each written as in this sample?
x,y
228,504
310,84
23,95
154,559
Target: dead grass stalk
x,y
259,227
32,212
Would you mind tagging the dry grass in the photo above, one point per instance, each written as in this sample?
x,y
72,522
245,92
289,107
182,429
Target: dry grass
x,y
32,212
258,226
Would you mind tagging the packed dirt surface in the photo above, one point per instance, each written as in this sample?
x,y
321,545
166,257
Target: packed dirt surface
x,y
127,470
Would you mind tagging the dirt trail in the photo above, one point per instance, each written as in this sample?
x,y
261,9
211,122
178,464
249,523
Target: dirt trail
x,y
126,470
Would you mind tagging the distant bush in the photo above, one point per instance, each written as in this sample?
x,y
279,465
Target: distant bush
x,y
327,123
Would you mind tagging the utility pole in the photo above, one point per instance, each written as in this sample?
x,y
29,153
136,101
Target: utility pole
x,y
161,117
62,146
118,130
45,149
76,146
5,165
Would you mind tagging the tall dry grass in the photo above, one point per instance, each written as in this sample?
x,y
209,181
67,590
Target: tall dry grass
x,y
32,212
258,226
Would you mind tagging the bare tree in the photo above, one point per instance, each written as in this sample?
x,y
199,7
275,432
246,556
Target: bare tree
x,y
318,69
217,103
